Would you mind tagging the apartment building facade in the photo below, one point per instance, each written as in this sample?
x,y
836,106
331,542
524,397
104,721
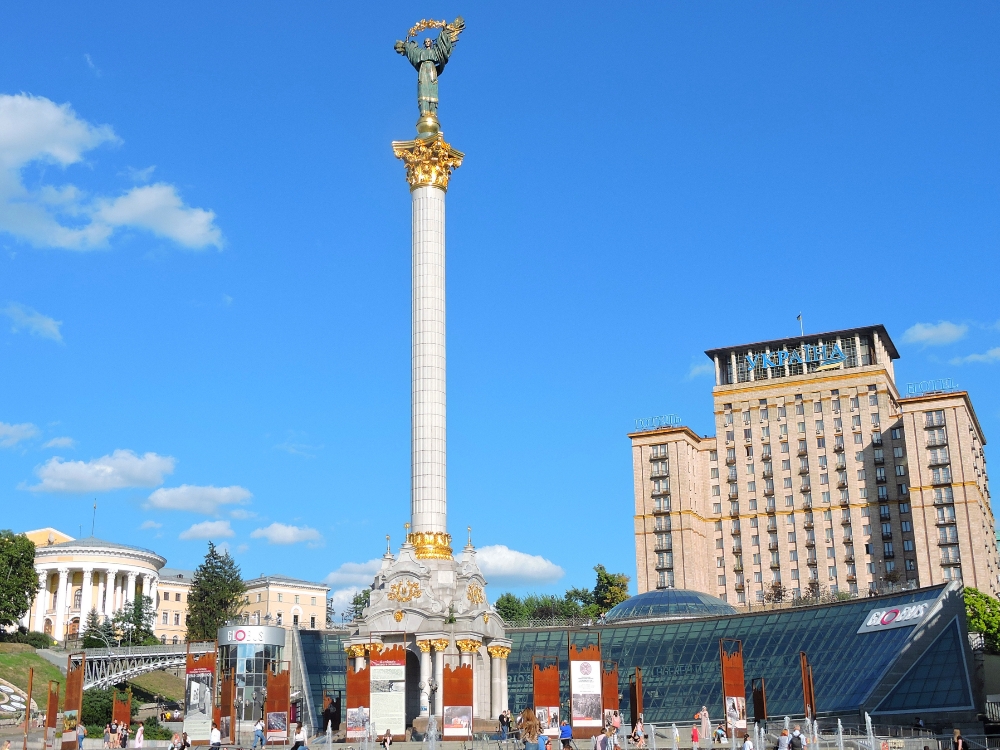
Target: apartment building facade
x,y
285,602
820,477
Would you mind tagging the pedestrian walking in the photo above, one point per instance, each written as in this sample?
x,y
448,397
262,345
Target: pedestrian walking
x,y
531,730
783,740
694,735
140,735
797,741
638,735
958,742
747,744
81,732
258,734
566,734
215,737
107,737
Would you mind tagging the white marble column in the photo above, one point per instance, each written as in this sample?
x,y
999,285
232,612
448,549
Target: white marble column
x,y
149,589
58,627
495,696
428,463
110,590
41,600
425,677
99,604
86,597
439,676
130,593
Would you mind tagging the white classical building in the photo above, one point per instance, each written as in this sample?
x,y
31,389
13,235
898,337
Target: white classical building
x,y
77,575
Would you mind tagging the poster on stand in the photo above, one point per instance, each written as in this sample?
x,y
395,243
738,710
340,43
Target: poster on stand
x,y
277,727
387,691
585,689
457,684
458,721
548,720
73,702
358,720
199,698
733,687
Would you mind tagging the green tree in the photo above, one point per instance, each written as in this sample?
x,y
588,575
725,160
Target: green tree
x,y
359,602
97,632
18,579
610,589
510,608
982,614
133,623
216,591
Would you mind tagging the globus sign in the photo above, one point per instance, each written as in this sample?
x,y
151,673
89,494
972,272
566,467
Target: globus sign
x,y
886,618
235,635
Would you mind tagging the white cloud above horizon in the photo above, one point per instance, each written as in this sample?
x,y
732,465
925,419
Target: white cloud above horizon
x,y
987,357
12,434
197,499
60,442
208,530
699,369
352,574
279,533
120,470
24,318
342,598
935,334
35,130
151,525
500,564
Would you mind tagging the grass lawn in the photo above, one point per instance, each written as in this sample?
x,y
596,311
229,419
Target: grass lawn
x,y
158,683
14,669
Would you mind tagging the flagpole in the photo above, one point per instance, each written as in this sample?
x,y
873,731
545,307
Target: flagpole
x,y
802,330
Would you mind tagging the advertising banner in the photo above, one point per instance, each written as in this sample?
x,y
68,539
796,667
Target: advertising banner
x,y
51,715
358,697
276,704
387,691
635,696
73,703
226,707
457,702
586,705
808,690
609,694
199,686
885,618
734,690
545,692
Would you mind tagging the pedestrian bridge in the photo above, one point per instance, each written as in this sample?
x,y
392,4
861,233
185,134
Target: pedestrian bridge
x,y
104,667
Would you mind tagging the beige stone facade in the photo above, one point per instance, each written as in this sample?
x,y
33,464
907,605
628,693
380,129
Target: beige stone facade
x,y
172,605
285,602
820,478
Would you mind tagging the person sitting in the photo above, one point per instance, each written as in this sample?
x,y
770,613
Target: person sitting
x,y
384,741
300,737
638,736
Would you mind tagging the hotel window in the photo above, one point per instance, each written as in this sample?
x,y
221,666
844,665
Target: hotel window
x,y
832,571
911,564
902,489
258,597
280,597
838,424
941,475
295,620
783,431
718,525
872,397
856,421
875,420
789,502
857,438
765,432
829,535
876,438
786,464
817,407
755,541
825,479
836,405
713,456
756,559
897,433
716,507
879,473
802,428
793,555
784,435
720,562
177,618
795,574
934,419
897,452
715,490
944,495
746,417
787,483
900,470
845,494
715,472
821,442
757,577
748,435
791,537
753,504
861,475
296,598
866,530
939,455
718,544
946,514
166,617
728,418
781,412
312,621
870,567
890,566
750,470
904,507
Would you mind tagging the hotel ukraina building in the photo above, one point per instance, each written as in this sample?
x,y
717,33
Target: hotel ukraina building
x,y
76,576
821,478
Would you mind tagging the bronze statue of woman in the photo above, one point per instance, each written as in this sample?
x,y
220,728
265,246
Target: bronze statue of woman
x,y
429,60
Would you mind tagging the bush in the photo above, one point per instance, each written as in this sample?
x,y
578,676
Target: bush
x,y
33,638
97,707
154,730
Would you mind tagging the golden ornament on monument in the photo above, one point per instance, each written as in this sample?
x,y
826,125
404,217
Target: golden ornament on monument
x,y
404,591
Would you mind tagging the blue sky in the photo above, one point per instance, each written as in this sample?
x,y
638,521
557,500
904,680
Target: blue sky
x,y
204,254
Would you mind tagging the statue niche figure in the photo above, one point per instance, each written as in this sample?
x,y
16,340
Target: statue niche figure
x,y
429,60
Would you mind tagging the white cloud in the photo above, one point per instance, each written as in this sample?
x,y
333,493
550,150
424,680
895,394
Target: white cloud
x,y
27,319
704,368
990,355
342,598
197,499
935,334
151,525
208,530
36,130
159,209
499,563
12,434
354,574
279,533
60,442
123,468
241,514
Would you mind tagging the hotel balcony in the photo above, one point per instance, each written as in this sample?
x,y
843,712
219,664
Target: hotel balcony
x,y
811,562
887,537
845,521
879,460
738,568
936,443
808,525
950,561
767,473
848,558
773,546
775,565
841,484
810,542
838,447
731,460
739,586
949,540
946,521
734,495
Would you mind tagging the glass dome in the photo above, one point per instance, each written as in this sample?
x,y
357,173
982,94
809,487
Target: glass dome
x,y
668,604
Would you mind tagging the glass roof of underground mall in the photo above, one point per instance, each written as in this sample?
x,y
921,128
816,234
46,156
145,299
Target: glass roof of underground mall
x,y
669,603
680,659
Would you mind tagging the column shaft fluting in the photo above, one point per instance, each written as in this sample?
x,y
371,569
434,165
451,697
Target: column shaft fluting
x,y
425,681
439,678
428,494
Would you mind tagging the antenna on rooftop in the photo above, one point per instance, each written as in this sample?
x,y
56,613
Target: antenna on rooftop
x,y
93,520
802,329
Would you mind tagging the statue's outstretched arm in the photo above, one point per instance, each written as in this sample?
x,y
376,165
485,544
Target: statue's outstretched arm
x,y
400,47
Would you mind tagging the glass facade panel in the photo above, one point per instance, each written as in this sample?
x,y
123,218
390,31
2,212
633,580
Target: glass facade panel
x,y
935,681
